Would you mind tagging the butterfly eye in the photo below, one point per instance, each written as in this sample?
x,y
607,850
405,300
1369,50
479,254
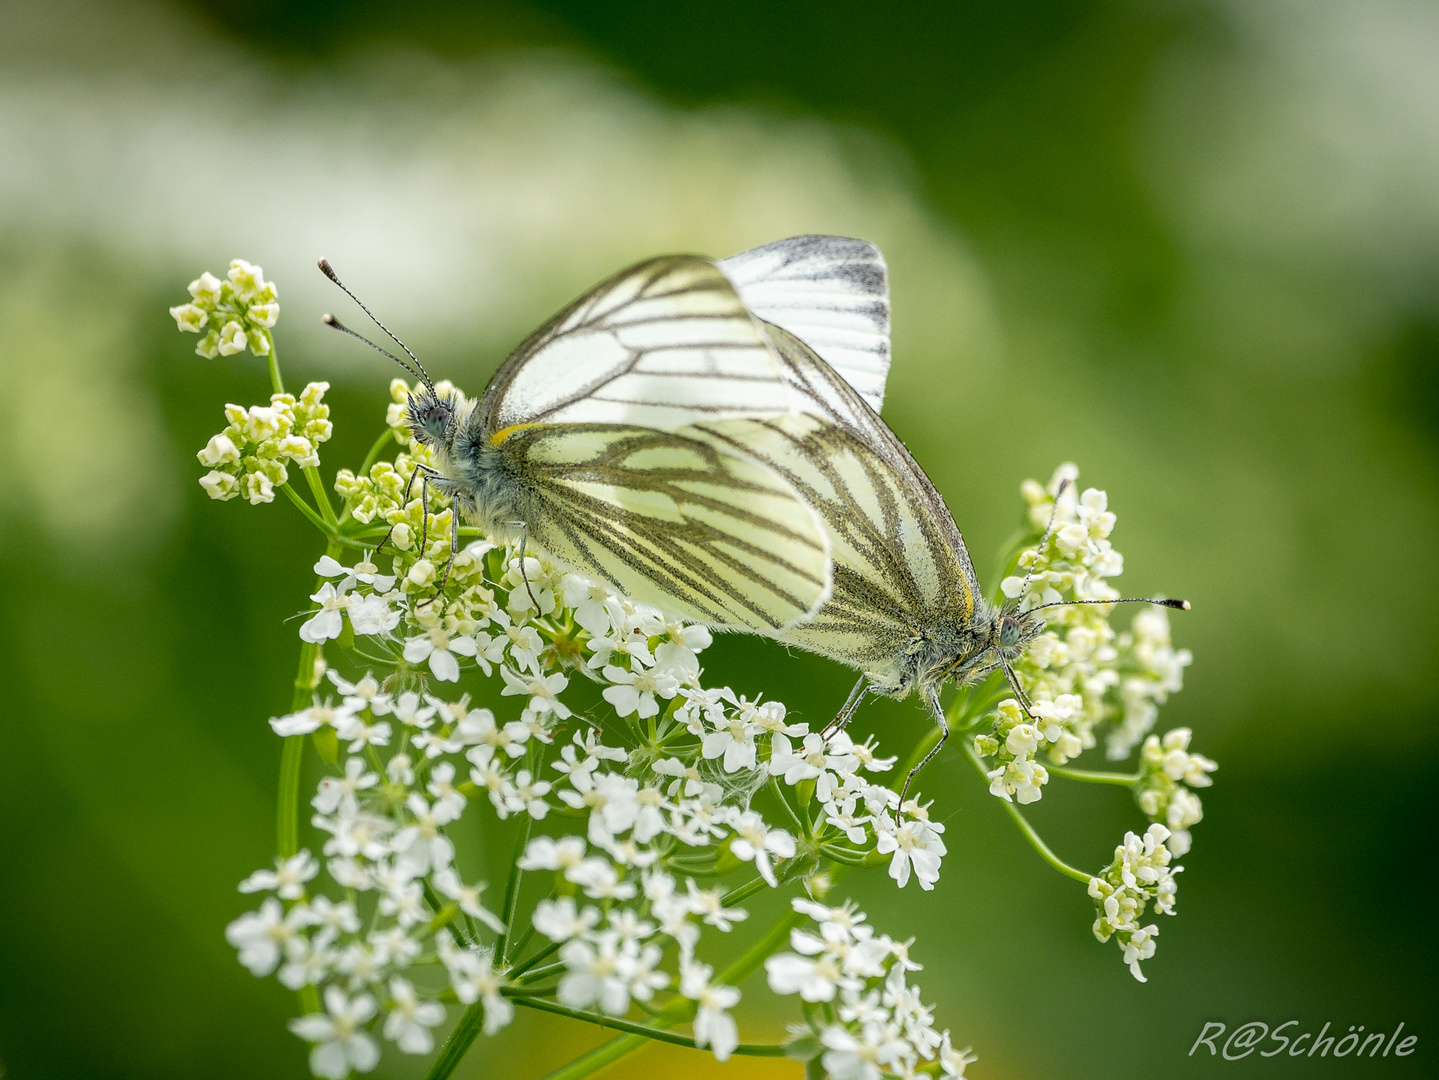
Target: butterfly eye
x,y
1009,632
434,421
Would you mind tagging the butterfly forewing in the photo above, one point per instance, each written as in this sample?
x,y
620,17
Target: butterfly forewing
x,y
660,345
670,519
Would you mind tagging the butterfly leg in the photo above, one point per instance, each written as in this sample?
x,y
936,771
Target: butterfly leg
x,y
524,537
847,711
932,698
1013,679
417,471
450,562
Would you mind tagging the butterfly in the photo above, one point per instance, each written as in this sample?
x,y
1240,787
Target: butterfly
x,y
704,436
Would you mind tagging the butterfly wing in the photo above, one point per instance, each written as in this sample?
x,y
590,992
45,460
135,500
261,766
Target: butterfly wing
x,y
899,561
662,345
670,519
831,292
592,418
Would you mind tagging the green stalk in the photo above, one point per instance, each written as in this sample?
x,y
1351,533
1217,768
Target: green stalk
x,y
305,508
643,1030
276,383
1025,827
472,1020
287,812
1090,776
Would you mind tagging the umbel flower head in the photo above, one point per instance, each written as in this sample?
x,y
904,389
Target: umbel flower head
x,y
249,457
234,315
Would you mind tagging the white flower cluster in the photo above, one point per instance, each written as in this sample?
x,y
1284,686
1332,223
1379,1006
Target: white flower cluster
x,y
870,1021
1150,670
249,457
661,801
236,314
1139,876
1080,672
1167,772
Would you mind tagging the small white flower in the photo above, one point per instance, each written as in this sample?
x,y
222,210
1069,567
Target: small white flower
x,y
260,936
542,691
915,844
440,649
288,878
713,1025
474,978
734,741
410,1019
468,898
326,623
341,792
371,614
232,339
341,1042
754,841
597,975
635,691
812,979
559,921
563,854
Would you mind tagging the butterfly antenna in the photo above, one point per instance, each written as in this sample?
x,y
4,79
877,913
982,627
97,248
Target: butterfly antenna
x,y
418,370
1048,530
1178,605
335,324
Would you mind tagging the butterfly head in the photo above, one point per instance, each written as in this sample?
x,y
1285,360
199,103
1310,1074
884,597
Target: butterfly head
x,y
1012,631
431,415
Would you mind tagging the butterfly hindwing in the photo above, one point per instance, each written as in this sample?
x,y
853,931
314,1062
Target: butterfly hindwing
x,y
669,519
831,292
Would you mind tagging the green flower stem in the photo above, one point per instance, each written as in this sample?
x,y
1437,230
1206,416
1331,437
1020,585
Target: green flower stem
x,y
536,974
274,361
472,1021
1025,827
512,894
306,509
1091,777
643,1030
287,811
387,436
322,499
520,969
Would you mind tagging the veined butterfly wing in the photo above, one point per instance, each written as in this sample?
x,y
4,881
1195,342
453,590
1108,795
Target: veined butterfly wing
x,y
592,417
662,345
669,519
900,564
831,292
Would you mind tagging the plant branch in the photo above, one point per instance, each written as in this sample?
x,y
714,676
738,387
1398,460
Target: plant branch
x,y
1024,826
643,1030
1090,776
306,509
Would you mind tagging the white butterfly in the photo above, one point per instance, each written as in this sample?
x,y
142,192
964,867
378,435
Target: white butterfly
x,y
584,442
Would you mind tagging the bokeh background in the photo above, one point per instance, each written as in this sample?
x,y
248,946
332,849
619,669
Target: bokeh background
x,y
1192,245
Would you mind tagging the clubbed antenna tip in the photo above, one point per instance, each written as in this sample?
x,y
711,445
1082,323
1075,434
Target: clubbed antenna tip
x,y
1182,605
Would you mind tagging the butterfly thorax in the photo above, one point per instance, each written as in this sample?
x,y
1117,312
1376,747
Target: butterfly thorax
x,y
993,637
474,472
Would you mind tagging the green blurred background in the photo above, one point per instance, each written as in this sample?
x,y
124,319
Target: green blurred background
x,y
1191,245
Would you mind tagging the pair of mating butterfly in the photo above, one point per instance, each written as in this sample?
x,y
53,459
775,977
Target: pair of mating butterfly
x,y
704,436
